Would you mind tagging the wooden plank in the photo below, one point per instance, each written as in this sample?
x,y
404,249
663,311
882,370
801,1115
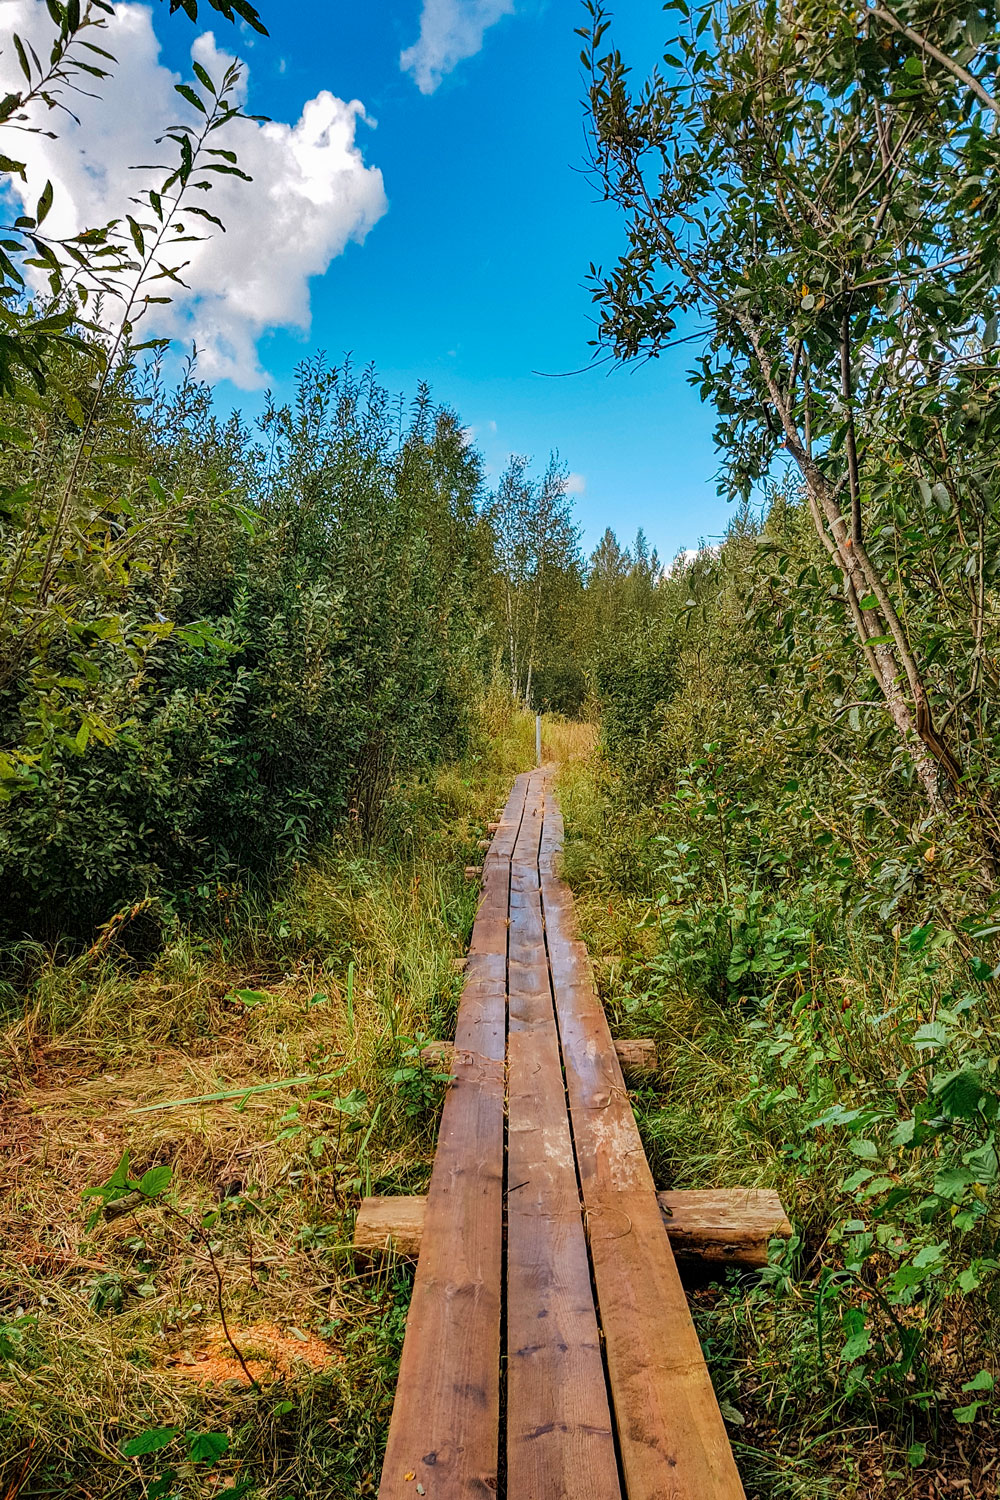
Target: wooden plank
x,y
489,932
731,1226
671,1435
559,1436
446,1416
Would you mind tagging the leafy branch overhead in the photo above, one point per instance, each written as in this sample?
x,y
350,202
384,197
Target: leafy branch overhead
x,y
816,194
99,258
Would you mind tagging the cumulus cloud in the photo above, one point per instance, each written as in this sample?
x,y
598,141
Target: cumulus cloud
x,y
311,193
450,31
576,484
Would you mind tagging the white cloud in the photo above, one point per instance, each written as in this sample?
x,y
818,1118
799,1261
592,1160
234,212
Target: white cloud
x,y
576,484
450,31
311,192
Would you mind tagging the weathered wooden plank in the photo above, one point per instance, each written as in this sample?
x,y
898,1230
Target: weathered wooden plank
x,y
559,1435
726,1226
671,1435
445,1421
489,932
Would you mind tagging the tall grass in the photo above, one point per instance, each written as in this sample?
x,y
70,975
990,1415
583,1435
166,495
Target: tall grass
x,y
746,1065
113,1330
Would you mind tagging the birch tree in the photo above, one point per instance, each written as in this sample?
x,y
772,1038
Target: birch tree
x,y
810,193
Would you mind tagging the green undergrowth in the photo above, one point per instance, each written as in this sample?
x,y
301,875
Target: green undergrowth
x,y
843,1054
161,1244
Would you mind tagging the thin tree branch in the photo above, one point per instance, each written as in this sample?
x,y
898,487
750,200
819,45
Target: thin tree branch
x,y
882,13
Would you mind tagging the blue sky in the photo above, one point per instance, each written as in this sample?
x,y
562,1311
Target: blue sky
x,y
473,279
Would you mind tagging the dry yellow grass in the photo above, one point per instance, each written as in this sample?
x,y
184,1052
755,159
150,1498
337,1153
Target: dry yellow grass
x,y
565,741
108,1330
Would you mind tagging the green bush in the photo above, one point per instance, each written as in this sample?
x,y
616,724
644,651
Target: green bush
x,y
306,634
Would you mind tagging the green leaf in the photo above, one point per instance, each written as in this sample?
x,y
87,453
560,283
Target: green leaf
x,y
150,1441
967,1413
138,238
187,92
207,1447
203,77
858,1340
9,165
961,1093
155,1181
981,1382
951,1182
44,203
119,1179
933,1034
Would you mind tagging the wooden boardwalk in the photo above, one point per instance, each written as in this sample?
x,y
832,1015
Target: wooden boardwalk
x,y
549,1350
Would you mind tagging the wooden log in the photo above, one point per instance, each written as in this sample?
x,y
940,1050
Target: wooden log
x,y
484,843
438,1056
636,1055
730,1226
492,827
394,1224
459,965
473,872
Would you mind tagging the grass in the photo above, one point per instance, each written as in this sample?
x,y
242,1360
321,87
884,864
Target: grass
x,y
114,1326
803,1420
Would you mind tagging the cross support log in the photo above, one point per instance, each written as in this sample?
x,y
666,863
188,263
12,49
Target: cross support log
x,y
720,1226
636,1055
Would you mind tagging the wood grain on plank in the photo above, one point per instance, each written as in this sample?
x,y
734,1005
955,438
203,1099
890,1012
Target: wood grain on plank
x,y
559,1435
445,1422
671,1435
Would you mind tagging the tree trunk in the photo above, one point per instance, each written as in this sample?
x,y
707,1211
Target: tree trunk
x,y
892,662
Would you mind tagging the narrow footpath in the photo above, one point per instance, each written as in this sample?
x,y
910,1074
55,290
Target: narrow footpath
x,y
549,1349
